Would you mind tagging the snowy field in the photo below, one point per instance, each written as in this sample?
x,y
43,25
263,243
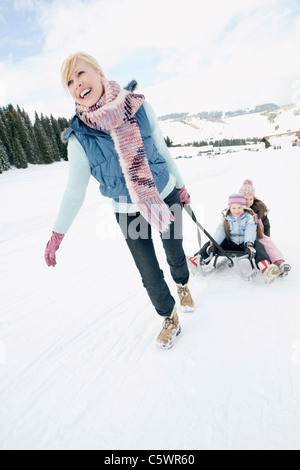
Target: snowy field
x,y
192,128
78,363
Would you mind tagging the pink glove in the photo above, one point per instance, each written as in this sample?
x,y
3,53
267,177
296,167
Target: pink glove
x,y
185,198
52,247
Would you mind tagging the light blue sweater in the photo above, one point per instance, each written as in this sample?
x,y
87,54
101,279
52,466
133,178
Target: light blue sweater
x,y
242,230
80,172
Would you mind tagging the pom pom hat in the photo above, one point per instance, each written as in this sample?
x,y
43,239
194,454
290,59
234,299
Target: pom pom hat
x,y
247,188
237,199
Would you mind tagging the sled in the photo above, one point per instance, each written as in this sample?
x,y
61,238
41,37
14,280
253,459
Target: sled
x,y
232,259
223,258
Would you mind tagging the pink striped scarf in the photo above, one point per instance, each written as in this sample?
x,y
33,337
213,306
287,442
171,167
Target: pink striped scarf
x,y
115,112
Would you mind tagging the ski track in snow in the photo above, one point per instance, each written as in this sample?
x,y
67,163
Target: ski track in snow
x,y
78,363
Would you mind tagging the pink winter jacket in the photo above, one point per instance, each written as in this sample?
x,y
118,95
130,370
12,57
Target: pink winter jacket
x,y
270,247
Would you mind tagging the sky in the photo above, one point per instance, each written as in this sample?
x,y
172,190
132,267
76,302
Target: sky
x,y
187,56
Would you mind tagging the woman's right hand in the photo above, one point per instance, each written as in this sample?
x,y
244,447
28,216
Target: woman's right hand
x,y
52,247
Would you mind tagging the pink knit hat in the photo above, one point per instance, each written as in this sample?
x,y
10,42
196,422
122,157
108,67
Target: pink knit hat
x,y
237,199
247,188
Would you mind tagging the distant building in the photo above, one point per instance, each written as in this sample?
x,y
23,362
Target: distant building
x,y
205,150
277,140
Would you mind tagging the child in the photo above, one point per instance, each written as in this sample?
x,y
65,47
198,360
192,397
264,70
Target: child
x,y
257,206
260,210
238,232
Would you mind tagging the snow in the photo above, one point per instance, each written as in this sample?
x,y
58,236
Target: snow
x,y
282,139
78,363
192,128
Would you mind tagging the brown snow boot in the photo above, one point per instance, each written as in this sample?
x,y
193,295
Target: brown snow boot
x,y
185,297
171,329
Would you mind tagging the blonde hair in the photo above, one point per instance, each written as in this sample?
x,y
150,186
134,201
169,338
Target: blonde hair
x,y
69,64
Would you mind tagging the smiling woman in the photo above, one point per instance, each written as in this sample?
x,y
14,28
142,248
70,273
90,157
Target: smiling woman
x,y
82,75
84,83
115,136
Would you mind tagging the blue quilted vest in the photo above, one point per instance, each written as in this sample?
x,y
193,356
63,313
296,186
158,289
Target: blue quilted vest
x,y
104,160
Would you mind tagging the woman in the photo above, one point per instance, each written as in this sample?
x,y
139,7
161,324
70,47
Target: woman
x,y
114,136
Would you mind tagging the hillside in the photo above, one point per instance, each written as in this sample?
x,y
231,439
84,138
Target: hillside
x,y
190,128
78,363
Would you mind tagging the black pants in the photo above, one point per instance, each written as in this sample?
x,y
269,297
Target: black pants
x,y
261,254
138,236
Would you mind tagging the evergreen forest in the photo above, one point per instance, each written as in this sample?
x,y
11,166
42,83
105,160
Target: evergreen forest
x,y
23,143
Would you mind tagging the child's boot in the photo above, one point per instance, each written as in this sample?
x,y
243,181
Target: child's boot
x,y
270,271
284,269
193,263
171,329
185,298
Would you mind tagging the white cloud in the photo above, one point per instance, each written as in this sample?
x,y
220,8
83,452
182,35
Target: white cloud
x,y
254,63
2,93
216,54
113,28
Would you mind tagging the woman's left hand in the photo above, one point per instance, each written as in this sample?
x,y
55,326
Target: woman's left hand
x,y
185,198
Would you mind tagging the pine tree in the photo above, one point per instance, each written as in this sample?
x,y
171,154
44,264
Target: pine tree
x,y
57,134
19,154
46,124
25,140
27,136
18,131
10,113
63,124
4,161
14,127
44,144
5,137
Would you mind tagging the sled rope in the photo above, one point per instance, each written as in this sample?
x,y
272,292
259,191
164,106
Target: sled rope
x,y
199,226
